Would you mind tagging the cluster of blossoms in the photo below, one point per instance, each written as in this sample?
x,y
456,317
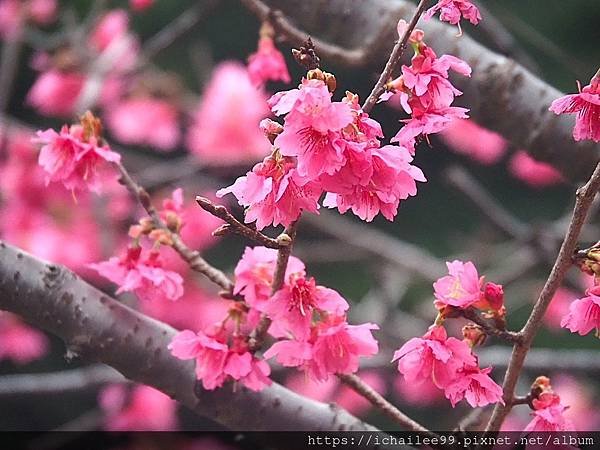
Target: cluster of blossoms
x,y
447,362
425,92
308,321
327,147
452,11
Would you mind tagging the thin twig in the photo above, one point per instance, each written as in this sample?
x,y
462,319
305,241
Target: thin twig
x,y
283,255
393,60
192,257
234,225
9,63
489,329
362,388
584,197
284,28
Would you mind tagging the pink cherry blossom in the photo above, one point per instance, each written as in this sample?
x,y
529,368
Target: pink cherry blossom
x,y
274,192
548,414
393,179
461,288
475,386
55,92
435,356
586,104
334,347
584,313
536,174
291,308
559,308
452,11
73,158
254,274
230,99
13,14
144,121
312,128
267,64
468,138
19,342
141,272
215,361
113,30
140,409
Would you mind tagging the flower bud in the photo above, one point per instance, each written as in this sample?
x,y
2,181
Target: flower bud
x,y
473,334
494,294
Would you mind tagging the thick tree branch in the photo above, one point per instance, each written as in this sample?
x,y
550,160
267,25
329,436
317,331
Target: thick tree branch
x,y
99,328
502,95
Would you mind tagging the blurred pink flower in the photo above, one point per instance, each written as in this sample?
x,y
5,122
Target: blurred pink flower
x,y
535,173
559,308
14,13
581,398
548,415
466,137
19,342
420,394
267,64
587,106
140,5
140,408
54,92
225,129
144,121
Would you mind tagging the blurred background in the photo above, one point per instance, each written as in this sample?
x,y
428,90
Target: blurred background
x,y
484,201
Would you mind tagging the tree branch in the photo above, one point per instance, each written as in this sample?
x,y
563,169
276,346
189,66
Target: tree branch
x,y
99,328
584,197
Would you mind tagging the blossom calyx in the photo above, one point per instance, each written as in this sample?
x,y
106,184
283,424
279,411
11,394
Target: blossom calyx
x,y
326,77
473,334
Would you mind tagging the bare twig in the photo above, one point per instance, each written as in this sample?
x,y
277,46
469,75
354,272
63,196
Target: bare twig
x,y
377,400
584,197
234,225
393,60
488,328
192,257
283,255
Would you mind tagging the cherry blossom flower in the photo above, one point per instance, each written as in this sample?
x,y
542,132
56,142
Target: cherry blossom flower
x,y
141,272
559,308
548,414
452,11
334,347
584,313
14,13
230,99
461,288
586,104
475,386
291,308
312,127
267,64
145,121
215,362
255,271
74,156
19,342
140,409
393,179
274,192
480,144
435,356
55,92
536,174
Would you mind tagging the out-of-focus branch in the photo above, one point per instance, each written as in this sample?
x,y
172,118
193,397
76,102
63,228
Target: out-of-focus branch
x,y
502,95
99,328
59,382
9,64
295,36
584,197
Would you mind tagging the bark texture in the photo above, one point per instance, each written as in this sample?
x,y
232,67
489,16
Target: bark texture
x,y
99,328
502,95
